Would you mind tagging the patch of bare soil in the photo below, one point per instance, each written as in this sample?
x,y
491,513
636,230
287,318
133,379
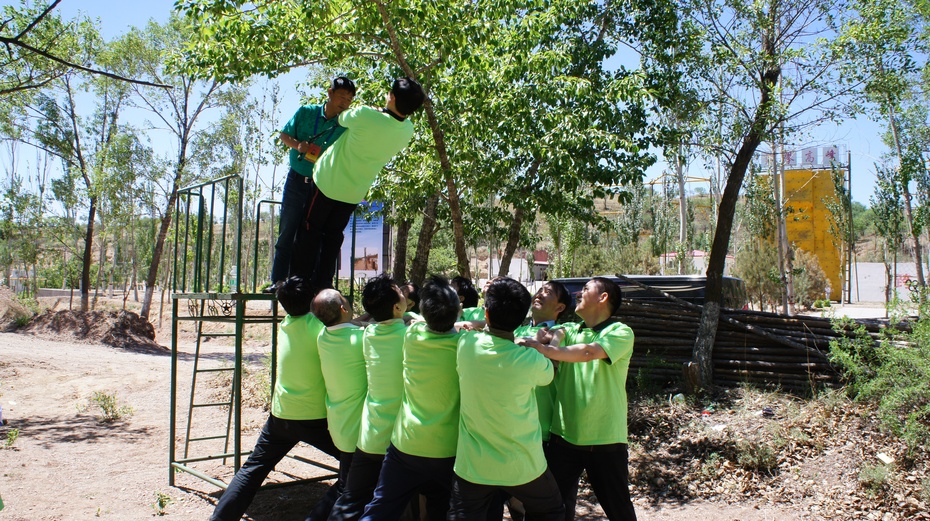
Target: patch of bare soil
x,y
124,329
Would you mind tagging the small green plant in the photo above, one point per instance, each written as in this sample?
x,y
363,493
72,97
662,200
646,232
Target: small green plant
x,y
711,465
756,456
109,406
162,501
11,436
874,477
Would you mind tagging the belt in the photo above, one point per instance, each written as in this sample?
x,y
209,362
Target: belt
x,y
298,177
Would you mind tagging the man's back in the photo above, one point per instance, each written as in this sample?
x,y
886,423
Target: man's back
x,y
299,392
346,383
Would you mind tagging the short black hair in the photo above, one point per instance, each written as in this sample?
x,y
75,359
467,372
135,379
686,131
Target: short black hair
x,y
507,303
341,82
614,294
562,296
466,290
408,95
379,297
439,304
295,295
411,291
327,307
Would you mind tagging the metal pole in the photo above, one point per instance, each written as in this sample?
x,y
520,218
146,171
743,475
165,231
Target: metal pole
x,y
174,389
849,242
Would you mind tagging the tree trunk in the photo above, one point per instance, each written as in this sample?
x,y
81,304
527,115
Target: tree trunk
x,y
702,361
425,240
682,212
908,212
399,269
513,239
86,259
152,277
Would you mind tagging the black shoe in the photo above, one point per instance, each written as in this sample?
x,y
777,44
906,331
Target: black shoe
x,y
272,288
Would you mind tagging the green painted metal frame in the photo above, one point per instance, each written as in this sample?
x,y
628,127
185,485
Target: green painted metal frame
x,y
208,300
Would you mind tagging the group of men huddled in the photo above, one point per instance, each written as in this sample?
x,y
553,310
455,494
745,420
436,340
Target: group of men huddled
x,y
468,413
469,408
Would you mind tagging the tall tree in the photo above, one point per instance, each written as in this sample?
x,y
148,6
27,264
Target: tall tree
x,y
781,71
177,110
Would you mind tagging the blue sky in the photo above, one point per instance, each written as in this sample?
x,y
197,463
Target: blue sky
x,y
861,137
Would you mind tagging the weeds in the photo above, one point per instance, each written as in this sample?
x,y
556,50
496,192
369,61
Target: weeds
x,y
162,501
925,490
11,436
756,456
110,408
874,478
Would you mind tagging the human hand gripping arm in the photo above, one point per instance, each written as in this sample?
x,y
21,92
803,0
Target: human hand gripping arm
x,y
571,353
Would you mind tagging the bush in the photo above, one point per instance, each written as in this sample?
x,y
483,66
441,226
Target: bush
x,y
756,263
810,282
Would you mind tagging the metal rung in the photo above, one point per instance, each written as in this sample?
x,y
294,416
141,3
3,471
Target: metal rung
x,y
205,438
217,334
214,404
216,369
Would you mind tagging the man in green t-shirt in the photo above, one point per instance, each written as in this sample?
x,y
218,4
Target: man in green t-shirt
x,y
311,130
383,344
422,450
343,364
589,423
298,410
344,174
500,443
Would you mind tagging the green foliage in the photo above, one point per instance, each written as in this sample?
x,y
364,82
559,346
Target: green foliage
x,y
162,501
11,436
110,408
756,456
892,373
810,282
757,264
874,478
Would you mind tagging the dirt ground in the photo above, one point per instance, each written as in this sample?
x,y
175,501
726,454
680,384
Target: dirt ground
x,y
68,463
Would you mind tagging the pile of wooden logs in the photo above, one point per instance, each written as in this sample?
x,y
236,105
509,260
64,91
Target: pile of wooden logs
x,y
750,347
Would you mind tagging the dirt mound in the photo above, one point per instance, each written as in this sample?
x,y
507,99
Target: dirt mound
x,y
11,311
124,329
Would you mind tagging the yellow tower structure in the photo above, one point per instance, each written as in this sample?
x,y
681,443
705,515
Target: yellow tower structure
x,y
809,224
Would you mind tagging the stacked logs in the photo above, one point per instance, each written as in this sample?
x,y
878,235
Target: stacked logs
x,y
750,347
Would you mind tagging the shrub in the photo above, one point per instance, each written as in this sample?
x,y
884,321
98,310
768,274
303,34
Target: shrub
x,y
754,264
810,282
110,407
874,477
11,436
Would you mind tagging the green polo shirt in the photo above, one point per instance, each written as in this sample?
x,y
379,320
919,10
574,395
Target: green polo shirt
x,y
590,397
308,121
384,363
347,169
473,314
343,366
299,393
545,394
428,422
500,442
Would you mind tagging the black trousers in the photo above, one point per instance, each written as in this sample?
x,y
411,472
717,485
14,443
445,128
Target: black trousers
x,y
608,471
402,476
277,438
359,488
319,237
473,501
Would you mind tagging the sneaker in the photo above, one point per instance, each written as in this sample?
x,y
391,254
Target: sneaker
x,y
272,288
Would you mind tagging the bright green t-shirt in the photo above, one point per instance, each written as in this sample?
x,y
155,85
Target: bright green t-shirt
x,y
545,394
384,362
590,397
307,122
428,422
299,393
346,383
500,442
347,169
473,314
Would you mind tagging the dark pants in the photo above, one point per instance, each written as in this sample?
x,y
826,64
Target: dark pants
x,y
293,210
277,438
402,476
540,498
608,472
359,488
319,238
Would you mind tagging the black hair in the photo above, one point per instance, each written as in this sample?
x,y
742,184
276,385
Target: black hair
x,y
562,296
614,295
327,307
408,95
507,302
295,295
466,290
412,292
379,297
341,82
439,304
